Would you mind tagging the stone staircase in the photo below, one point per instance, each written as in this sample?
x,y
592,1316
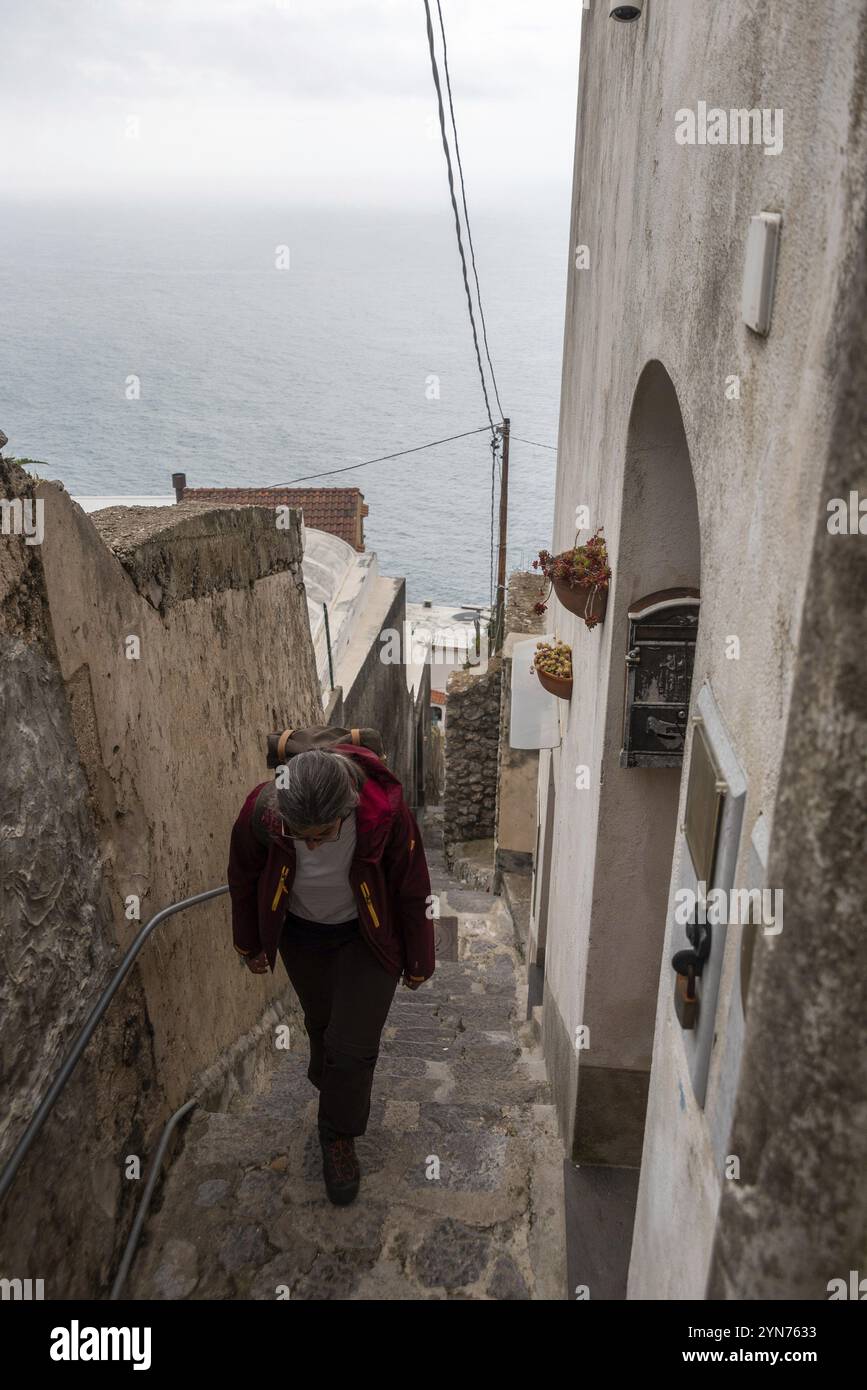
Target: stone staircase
x,y
462,1169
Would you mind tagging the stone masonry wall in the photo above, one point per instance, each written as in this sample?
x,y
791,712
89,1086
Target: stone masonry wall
x,y
472,742
525,588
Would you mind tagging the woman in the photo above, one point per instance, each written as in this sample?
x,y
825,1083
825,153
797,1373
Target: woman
x,y
327,867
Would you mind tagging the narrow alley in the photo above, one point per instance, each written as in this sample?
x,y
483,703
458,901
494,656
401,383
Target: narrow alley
x,y
433,558
462,1169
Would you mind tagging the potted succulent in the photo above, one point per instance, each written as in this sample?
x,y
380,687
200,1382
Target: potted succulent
x,y
579,577
552,663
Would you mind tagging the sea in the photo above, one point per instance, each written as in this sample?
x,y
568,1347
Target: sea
x,y
256,344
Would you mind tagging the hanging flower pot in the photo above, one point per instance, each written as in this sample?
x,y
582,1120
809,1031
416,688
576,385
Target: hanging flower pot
x,y
552,663
579,577
585,601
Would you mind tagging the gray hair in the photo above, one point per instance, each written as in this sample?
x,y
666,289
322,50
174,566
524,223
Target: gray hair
x,y
319,786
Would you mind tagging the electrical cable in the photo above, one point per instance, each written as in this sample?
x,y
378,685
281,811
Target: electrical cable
x,y
466,209
483,429
493,475
535,443
446,151
495,438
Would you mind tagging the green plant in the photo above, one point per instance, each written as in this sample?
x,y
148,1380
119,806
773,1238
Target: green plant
x,y
30,466
554,658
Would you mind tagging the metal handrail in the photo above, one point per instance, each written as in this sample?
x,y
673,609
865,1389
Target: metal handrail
x,y
144,1204
328,642
46,1105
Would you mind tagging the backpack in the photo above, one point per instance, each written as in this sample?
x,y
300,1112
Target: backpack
x,y
266,818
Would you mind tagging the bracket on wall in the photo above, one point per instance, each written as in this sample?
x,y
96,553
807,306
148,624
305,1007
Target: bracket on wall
x,y
705,859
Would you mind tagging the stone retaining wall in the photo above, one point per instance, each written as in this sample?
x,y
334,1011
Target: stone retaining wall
x,y
472,744
121,778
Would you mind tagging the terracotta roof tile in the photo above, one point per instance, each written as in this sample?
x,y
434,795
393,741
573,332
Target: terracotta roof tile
x,y
337,510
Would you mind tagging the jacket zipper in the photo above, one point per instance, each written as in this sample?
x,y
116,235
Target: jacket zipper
x,y
367,898
281,888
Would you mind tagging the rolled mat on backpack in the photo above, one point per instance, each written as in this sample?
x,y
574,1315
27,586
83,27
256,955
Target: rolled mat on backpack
x,y
283,746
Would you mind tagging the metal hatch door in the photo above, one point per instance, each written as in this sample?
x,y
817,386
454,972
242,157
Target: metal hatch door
x,y
659,664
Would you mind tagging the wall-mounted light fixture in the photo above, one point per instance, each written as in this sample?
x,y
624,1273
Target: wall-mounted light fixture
x,y
627,13
760,270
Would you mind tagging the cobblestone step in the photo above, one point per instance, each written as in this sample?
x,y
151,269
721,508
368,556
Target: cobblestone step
x,y
463,900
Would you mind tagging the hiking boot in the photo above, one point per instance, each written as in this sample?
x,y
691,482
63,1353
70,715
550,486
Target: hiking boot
x,y
340,1168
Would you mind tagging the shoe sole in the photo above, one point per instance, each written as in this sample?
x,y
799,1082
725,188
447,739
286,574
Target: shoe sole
x,y
341,1199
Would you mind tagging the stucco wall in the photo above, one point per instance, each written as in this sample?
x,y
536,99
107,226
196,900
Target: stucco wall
x,y
797,1218
125,778
666,227
519,767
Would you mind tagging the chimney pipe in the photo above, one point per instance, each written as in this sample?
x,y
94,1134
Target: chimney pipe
x,y
179,482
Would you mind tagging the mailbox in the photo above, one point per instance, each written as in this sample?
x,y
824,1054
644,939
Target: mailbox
x,y
659,661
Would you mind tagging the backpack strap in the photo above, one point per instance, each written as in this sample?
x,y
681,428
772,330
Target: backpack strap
x,y
281,743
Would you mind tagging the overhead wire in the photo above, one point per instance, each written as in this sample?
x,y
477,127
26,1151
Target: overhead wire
x,y
535,443
451,177
466,209
493,474
494,437
383,458
494,429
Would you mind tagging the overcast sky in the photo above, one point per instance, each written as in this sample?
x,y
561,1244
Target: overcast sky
x,y
314,99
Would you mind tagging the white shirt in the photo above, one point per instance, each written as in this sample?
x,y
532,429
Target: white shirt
x,y
322,891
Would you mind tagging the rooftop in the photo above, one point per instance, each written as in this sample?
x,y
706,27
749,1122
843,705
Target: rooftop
x,y
337,510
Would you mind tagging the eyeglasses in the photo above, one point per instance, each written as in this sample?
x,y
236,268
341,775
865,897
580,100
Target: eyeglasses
x,y
319,839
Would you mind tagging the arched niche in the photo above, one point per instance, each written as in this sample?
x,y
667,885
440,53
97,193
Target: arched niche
x,y
658,551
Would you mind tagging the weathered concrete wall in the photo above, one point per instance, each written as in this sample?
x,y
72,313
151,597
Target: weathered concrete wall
x,y
124,777
375,693
174,555
57,944
666,228
472,750
797,1218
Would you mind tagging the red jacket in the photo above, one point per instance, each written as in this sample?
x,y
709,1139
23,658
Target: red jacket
x,y
388,874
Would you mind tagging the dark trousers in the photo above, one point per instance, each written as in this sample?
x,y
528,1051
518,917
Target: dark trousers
x,y
346,995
